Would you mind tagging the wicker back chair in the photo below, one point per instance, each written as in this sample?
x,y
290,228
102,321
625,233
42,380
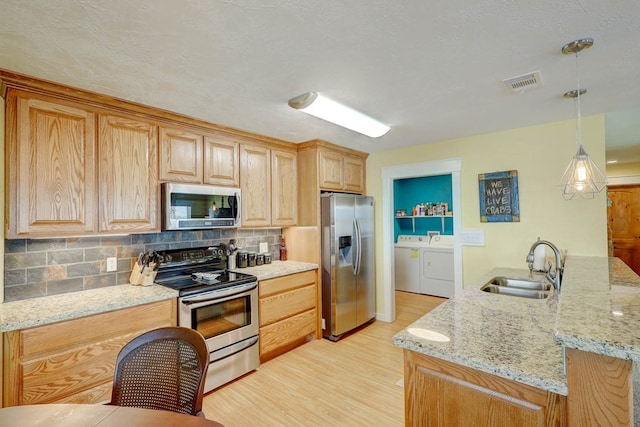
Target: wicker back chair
x,y
162,369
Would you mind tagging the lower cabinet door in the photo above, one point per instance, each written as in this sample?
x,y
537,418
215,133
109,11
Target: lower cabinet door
x,y
440,393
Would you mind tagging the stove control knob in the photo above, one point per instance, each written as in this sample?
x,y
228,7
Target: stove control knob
x,y
167,258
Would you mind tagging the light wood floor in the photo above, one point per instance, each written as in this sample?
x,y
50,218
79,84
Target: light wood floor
x,y
352,382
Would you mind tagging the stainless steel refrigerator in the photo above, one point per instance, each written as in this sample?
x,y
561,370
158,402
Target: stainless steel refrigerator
x,y
348,275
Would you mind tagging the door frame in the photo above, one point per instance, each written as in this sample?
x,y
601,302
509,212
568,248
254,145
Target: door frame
x,y
416,170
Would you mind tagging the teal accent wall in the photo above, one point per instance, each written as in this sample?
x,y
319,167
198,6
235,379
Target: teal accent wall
x,y
409,192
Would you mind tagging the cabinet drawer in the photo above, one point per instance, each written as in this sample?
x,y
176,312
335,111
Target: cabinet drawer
x,y
74,360
285,332
97,327
286,304
285,283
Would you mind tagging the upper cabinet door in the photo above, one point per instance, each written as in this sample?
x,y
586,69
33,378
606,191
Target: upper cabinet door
x,y
255,181
128,171
221,164
354,174
180,156
331,177
284,188
51,149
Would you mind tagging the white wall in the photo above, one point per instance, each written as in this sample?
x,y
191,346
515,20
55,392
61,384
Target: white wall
x,y
540,154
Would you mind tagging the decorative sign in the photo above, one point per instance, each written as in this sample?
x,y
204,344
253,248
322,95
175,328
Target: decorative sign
x,y
499,197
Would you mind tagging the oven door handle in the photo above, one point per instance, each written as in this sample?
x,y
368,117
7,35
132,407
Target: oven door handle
x,y
232,349
221,293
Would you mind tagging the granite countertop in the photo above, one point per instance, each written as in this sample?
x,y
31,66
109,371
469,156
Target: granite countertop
x,y
522,339
277,269
598,311
506,336
56,308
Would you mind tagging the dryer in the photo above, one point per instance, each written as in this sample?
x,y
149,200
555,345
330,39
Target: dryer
x,y
437,267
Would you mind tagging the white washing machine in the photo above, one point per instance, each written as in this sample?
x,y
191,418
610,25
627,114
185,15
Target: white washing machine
x,y
436,267
407,262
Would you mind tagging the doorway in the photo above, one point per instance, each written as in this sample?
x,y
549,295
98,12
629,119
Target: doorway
x,y
623,216
414,170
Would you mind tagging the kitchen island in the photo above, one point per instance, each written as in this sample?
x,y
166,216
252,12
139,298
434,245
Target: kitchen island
x,y
506,347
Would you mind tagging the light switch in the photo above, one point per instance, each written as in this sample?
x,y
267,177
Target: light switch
x,y
264,247
472,237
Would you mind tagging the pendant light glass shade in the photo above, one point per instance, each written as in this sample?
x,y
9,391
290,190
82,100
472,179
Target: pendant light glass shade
x,y
582,178
324,108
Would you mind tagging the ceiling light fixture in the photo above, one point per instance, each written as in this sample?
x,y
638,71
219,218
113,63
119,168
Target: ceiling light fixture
x,y
317,105
582,178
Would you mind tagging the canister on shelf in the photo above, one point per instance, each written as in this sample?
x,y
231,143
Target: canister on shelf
x,y
267,258
259,259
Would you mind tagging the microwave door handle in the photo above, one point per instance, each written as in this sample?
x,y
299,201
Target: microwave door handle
x,y
236,215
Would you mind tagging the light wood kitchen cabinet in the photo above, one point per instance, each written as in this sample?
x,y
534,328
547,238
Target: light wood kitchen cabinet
x,y
323,166
81,163
284,182
128,175
441,393
191,157
51,161
221,161
255,181
268,179
331,170
73,361
180,155
288,312
353,170
340,172
612,379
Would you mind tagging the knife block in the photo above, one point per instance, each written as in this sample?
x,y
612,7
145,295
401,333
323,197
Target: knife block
x,y
142,276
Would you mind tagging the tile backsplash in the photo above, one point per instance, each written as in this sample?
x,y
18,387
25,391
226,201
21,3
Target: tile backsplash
x,y
40,267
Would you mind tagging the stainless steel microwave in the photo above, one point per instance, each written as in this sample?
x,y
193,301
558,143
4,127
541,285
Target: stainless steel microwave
x,y
193,206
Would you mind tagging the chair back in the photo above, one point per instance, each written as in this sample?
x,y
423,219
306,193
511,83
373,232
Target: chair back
x,y
162,369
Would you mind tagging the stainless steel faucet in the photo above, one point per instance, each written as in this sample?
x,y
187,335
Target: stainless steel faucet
x,y
554,278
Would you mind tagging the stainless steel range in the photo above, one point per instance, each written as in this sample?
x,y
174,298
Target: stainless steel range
x,y
220,304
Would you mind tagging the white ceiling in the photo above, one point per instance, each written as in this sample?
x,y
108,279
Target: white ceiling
x,y
433,70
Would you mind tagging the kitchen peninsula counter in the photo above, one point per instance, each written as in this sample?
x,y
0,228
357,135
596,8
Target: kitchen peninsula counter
x,y
506,336
593,325
522,339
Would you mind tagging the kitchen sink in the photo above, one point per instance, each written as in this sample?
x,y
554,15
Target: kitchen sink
x,y
518,287
520,283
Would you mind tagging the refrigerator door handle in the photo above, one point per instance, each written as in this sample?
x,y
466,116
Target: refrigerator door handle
x,y
357,246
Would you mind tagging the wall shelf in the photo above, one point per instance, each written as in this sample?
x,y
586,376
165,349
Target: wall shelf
x,y
413,219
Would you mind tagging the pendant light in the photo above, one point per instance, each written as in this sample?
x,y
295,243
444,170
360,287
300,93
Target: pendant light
x,y
582,178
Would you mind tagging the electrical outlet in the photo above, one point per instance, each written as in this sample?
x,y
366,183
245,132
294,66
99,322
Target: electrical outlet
x,y
112,263
264,247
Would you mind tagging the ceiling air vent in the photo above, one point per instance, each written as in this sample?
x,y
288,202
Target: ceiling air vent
x,y
526,81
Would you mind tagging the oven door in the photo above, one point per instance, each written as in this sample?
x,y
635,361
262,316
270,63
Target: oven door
x,y
225,317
